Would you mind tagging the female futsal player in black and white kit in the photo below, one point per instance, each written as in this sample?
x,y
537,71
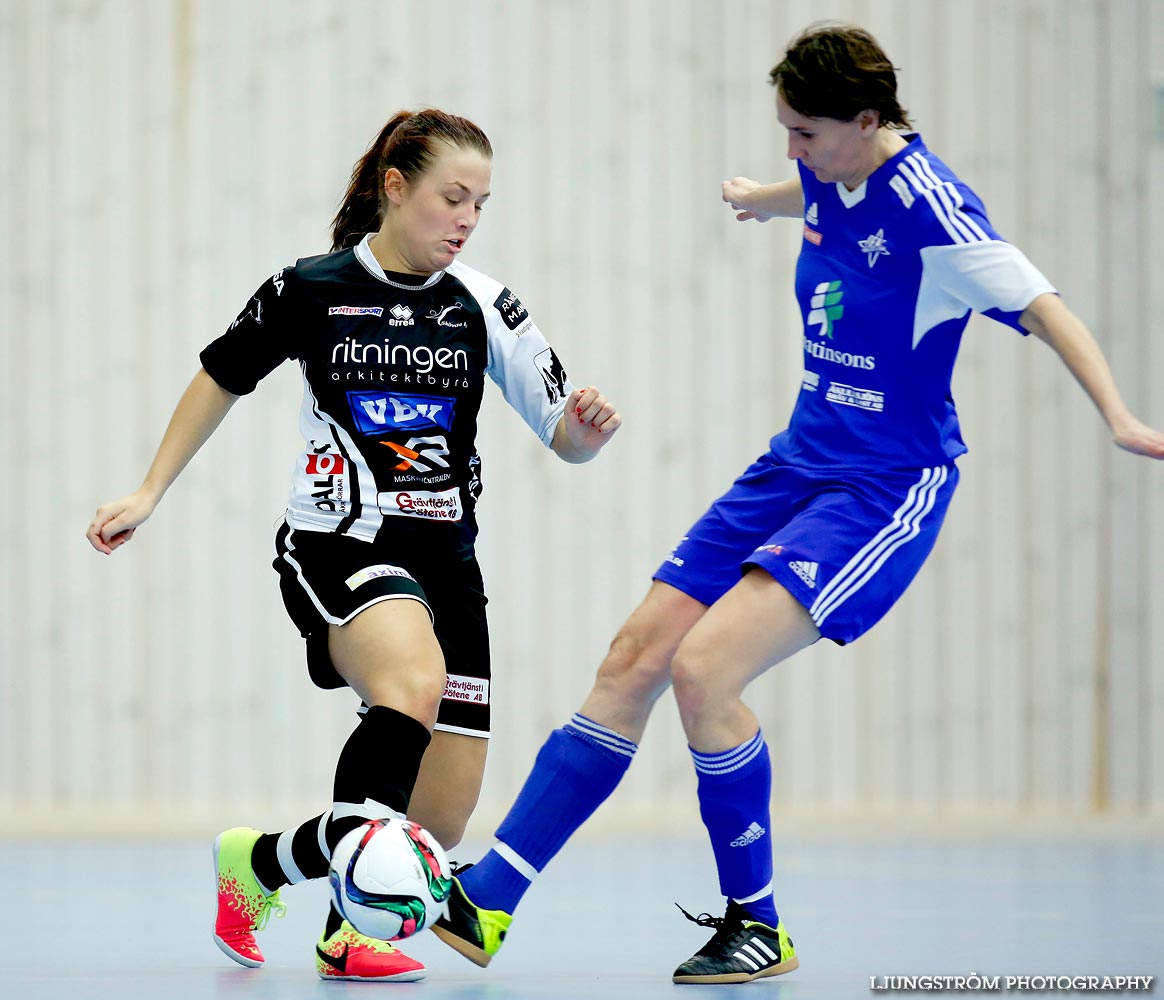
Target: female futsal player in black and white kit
x,y
375,556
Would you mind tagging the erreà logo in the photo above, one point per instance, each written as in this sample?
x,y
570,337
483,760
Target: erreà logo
x,y
401,316
825,307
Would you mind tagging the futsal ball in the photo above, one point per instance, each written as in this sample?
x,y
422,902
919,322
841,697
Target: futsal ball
x,y
390,878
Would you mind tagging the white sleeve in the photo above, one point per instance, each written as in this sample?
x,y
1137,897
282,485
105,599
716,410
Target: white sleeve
x,y
521,362
526,369
992,277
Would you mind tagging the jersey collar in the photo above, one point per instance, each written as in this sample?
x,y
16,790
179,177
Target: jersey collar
x,y
913,144
365,256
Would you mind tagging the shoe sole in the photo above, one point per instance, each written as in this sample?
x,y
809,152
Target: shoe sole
x,y
415,976
459,944
741,977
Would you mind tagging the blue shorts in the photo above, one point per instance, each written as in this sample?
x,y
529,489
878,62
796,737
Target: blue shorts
x,y
846,545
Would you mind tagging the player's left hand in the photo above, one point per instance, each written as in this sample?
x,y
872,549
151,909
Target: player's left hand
x,y
1140,439
591,419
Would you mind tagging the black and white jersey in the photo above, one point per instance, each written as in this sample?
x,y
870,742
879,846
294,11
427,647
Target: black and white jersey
x,y
393,373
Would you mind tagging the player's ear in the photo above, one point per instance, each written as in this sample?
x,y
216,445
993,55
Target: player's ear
x,y
868,121
394,185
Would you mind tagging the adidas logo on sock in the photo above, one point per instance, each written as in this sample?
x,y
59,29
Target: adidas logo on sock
x,y
806,571
753,833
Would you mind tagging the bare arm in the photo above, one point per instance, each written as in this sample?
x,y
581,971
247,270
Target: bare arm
x,y
1054,324
199,412
586,425
762,202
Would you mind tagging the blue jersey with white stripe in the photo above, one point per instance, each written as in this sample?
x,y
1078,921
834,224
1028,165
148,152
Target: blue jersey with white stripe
x,y
886,280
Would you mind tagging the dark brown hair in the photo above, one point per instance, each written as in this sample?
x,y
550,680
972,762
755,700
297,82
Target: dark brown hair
x,y
837,71
405,143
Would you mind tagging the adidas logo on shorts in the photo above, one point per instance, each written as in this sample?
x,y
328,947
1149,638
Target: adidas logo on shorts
x,y
805,570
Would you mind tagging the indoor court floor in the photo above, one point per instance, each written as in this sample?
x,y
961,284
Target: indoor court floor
x,y
104,920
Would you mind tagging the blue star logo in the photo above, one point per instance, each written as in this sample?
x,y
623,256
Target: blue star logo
x,y
874,246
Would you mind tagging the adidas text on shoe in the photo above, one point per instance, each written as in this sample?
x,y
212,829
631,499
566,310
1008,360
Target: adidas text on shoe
x,y
349,955
243,907
475,933
740,950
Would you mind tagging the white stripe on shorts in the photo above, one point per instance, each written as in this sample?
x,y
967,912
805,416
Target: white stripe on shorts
x,y
904,527
326,615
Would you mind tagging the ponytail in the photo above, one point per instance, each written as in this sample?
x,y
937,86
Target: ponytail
x,y
359,212
406,144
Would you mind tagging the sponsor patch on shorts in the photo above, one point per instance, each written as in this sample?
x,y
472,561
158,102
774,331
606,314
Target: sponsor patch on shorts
x,y
472,689
374,573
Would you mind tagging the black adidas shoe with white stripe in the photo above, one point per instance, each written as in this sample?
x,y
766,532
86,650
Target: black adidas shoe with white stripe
x,y
740,950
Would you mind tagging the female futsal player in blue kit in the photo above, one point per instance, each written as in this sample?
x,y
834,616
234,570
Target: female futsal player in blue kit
x,y
824,532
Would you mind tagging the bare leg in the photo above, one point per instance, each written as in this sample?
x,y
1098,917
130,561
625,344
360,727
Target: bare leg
x,y
753,626
637,667
448,785
390,656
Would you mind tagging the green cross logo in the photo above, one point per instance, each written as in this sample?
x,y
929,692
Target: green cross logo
x,y
825,307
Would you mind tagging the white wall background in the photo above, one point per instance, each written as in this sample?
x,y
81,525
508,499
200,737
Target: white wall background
x,y
159,159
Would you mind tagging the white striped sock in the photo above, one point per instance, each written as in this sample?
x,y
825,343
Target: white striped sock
x,y
729,760
286,859
515,861
600,734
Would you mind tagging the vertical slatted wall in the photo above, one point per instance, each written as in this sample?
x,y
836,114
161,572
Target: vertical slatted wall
x,y
158,160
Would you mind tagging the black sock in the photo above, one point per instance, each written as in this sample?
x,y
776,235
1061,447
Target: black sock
x,y
307,860
363,772
380,761
334,919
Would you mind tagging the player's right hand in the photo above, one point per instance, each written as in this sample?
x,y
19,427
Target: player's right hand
x,y
114,523
735,193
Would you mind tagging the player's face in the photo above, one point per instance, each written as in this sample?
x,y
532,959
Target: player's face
x,y
832,149
437,212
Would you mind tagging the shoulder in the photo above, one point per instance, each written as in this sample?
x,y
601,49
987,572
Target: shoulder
x,y
481,286
495,299
324,267
942,208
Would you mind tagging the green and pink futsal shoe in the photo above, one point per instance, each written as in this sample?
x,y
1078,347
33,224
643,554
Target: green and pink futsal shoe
x,y
243,906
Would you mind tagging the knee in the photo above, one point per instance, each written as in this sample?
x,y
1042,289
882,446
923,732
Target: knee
x,y
635,668
693,677
415,690
425,690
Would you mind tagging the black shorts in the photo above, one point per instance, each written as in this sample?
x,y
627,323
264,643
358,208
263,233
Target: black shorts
x,y
328,579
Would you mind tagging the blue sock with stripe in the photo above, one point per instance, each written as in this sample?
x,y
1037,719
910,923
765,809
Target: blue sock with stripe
x,y
575,771
735,790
